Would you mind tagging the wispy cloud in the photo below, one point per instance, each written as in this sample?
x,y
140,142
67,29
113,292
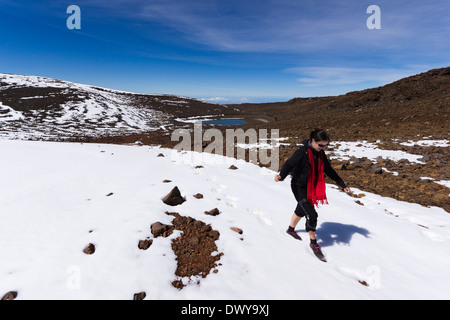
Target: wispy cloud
x,y
293,26
338,76
249,26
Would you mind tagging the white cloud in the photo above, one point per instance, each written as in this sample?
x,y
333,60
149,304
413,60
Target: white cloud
x,y
216,100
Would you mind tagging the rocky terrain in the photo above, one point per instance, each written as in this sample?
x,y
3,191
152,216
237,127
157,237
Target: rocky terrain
x,y
405,111
402,180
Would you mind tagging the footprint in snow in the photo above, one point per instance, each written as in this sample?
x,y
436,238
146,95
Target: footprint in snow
x,y
231,201
371,277
264,220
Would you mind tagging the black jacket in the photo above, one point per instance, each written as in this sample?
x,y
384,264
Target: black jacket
x,y
298,166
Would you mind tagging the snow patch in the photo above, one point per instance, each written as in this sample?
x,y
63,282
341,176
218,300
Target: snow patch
x,y
9,114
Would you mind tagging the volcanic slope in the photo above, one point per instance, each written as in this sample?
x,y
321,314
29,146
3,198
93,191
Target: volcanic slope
x,y
39,108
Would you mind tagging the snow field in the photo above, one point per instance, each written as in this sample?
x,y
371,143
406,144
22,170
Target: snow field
x,y
55,200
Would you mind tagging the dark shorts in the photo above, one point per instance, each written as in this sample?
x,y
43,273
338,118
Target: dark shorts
x,y
304,207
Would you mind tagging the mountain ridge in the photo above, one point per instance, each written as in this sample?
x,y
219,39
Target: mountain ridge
x,y
419,104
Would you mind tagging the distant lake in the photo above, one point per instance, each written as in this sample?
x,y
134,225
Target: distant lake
x,y
226,122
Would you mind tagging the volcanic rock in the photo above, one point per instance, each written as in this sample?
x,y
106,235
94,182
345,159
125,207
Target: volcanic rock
x,y
139,296
174,198
238,230
160,229
144,244
11,295
90,249
213,212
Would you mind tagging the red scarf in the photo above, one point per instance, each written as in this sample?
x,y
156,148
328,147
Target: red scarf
x,y
316,181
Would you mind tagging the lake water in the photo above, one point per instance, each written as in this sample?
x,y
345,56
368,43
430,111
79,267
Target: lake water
x,y
226,122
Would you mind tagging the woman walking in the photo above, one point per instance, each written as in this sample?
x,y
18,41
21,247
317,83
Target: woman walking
x,y
307,167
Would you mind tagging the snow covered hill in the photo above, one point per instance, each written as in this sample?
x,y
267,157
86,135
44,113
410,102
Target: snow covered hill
x,y
40,108
56,198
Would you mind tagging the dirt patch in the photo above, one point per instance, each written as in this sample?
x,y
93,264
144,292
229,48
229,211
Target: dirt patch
x,y
195,248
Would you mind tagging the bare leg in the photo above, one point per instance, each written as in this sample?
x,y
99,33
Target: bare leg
x,y
294,220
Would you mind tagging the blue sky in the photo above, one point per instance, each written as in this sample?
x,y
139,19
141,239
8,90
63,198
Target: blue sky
x,y
226,51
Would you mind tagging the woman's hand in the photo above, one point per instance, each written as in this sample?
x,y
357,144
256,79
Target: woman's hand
x,y
277,178
348,191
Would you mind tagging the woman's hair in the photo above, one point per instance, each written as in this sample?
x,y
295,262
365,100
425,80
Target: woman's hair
x,y
319,135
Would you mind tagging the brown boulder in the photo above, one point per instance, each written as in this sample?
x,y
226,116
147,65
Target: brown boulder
x,y
173,198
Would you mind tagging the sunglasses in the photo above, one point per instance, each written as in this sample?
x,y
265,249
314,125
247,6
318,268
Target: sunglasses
x,y
322,145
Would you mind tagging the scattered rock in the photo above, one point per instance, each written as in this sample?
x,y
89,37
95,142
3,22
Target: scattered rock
x,y
11,295
366,163
159,229
440,197
160,155
376,169
145,244
401,179
174,198
198,196
90,249
342,166
237,230
139,296
233,167
109,194
363,283
167,181
359,195
194,240
213,212
178,284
